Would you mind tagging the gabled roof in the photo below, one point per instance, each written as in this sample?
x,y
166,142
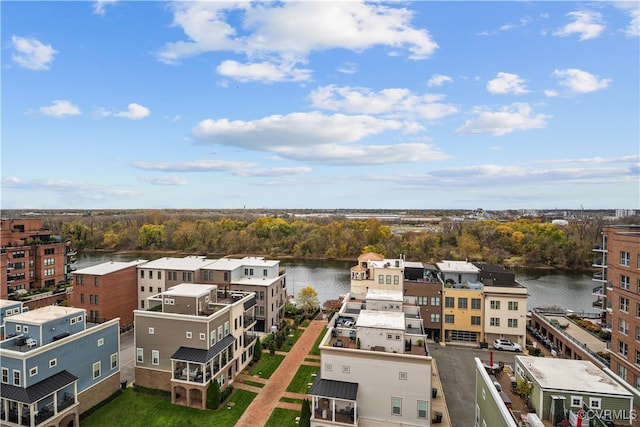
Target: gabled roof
x,y
198,355
370,256
38,390
334,389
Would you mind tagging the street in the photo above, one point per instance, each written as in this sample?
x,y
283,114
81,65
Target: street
x,y
457,374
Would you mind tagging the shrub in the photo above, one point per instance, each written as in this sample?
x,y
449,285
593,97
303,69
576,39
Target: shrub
x,y
213,395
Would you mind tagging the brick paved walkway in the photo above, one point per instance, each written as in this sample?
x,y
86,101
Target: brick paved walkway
x,y
268,397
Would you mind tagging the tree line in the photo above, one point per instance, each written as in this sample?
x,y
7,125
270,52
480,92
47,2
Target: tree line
x,y
517,243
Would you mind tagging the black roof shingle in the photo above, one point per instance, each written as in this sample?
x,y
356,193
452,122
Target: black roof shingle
x,y
334,389
38,390
198,355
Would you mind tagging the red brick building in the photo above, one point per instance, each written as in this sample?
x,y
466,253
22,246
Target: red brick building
x,y
32,257
107,291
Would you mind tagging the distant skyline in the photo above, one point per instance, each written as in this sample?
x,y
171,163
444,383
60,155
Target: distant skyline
x,y
320,105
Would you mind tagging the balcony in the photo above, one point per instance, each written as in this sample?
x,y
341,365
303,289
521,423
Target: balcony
x,y
598,304
599,248
598,291
599,276
599,263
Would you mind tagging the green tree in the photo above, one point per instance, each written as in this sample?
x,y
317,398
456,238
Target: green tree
x,y
305,414
151,236
257,350
307,299
213,395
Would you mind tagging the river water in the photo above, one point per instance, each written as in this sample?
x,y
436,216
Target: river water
x,y
330,279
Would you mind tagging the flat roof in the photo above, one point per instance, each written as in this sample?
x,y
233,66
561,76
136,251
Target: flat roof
x,y
571,375
189,290
387,263
384,295
44,315
413,264
233,263
381,319
9,303
191,262
109,267
457,266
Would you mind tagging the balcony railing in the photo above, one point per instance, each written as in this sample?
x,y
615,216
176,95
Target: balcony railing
x,y
598,290
597,304
599,262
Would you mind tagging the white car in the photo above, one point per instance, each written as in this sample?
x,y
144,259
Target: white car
x,y
501,344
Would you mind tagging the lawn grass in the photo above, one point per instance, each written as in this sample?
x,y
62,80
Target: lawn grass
x,y
290,341
267,365
302,378
291,400
305,323
315,350
282,418
309,359
253,383
132,409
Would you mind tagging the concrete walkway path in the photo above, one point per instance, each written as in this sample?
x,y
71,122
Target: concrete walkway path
x,y
268,398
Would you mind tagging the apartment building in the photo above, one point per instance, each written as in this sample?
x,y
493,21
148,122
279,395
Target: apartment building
x,y
376,272
159,275
55,367
619,263
252,274
505,304
379,332
463,302
421,281
31,257
107,291
191,335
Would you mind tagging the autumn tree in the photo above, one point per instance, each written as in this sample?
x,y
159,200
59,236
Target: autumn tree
x,y
307,299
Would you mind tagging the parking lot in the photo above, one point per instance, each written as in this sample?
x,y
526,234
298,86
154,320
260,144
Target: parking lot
x,y
458,377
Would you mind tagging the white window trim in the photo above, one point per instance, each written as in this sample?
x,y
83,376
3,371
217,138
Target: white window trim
x,y
93,370
328,367
577,405
593,400
5,371
189,334
203,336
155,357
400,406
152,330
53,363
33,371
112,358
100,342
140,355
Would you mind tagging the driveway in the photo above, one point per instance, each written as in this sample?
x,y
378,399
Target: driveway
x,y
458,377
127,355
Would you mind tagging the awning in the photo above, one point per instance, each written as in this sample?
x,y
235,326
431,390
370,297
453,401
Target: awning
x,y
334,389
250,303
39,390
198,355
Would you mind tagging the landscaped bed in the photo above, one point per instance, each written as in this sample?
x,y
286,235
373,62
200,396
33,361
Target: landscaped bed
x,y
132,408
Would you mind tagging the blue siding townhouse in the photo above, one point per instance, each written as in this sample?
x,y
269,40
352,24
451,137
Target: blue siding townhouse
x,y
55,366
8,308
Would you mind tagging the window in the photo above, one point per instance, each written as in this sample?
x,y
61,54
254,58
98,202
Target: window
x,y
388,279
159,276
53,363
449,318
25,328
396,280
476,304
139,355
422,409
624,304
623,348
512,323
152,330
141,303
423,300
261,295
462,302
622,372
594,402
402,376
623,327
142,274
513,305
49,251
49,271
449,302
96,370
100,342
576,401
381,279
90,300
16,377
494,321
389,336
96,300
33,371
226,328
95,281
475,320
396,406
328,367
189,334
624,282
114,360
155,357
435,317
495,305
49,261
637,333
435,301
18,328
220,333
5,375
346,369
625,258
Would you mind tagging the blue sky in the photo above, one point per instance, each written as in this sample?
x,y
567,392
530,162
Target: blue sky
x,y
399,105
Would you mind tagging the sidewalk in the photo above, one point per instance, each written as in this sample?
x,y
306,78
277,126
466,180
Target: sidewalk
x,y
268,398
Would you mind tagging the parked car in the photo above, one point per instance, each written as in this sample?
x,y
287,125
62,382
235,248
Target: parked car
x,y
502,344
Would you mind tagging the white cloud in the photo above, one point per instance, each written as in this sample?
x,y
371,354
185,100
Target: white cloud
x,y
100,5
310,26
263,71
348,68
31,53
393,102
586,23
438,80
579,81
134,112
517,117
60,108
507,83
633,10
521,23
233,168
74,189
165,180
551,93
